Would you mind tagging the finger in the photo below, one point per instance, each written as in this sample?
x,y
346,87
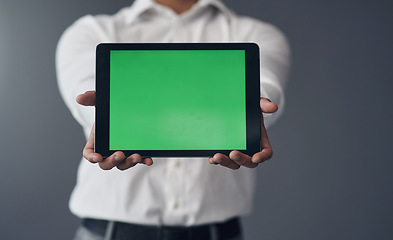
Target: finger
x,y
88,150
112,161
211,161
267,151
148,161
129,162
138,159
224,161
133,160
268,106
87,99
242,159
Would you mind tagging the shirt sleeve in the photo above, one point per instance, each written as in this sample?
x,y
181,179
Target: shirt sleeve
x,y
75,66
275,63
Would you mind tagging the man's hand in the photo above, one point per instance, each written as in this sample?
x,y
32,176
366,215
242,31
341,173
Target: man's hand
x,y
117,159
237,159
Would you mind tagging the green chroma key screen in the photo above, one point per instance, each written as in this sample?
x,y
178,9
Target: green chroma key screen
x,y
177,100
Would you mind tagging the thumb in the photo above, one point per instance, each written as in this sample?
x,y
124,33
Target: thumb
x,y
87,99
268,106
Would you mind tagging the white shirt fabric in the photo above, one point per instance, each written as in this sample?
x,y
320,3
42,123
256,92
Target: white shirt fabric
x,y
173,191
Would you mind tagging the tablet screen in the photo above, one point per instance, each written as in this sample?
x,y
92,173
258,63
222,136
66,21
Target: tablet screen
x,y
177,100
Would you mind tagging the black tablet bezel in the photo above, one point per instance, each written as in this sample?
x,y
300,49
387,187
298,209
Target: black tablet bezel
x,y
253,112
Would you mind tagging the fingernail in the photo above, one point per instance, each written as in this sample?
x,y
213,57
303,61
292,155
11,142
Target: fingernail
x,y
236,157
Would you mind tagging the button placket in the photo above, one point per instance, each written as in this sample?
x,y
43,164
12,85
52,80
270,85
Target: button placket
x,y
175,184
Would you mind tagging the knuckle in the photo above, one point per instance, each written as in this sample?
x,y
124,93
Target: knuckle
x,y
236,167
257,160
253,165
105,166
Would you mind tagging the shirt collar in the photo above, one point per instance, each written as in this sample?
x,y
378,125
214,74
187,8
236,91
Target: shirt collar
x,y
141,6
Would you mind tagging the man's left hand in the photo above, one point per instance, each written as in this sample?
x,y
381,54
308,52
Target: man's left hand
x,y
237,159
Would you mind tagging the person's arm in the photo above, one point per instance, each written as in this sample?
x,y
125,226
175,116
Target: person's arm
x,y
275,64
75,60
75,66
275,61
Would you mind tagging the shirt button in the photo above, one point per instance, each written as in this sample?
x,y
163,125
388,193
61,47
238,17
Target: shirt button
x,y
176,206
178,164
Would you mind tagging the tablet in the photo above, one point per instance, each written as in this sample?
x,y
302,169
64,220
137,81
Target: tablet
x,y
177,99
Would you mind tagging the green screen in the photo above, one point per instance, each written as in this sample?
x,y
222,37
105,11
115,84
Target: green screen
x,y
177,100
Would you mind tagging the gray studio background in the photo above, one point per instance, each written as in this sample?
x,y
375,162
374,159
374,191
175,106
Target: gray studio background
x,y
331,176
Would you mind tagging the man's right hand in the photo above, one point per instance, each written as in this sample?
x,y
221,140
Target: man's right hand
x,y
117,159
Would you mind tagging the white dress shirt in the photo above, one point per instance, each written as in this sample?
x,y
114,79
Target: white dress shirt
x,y
173,191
